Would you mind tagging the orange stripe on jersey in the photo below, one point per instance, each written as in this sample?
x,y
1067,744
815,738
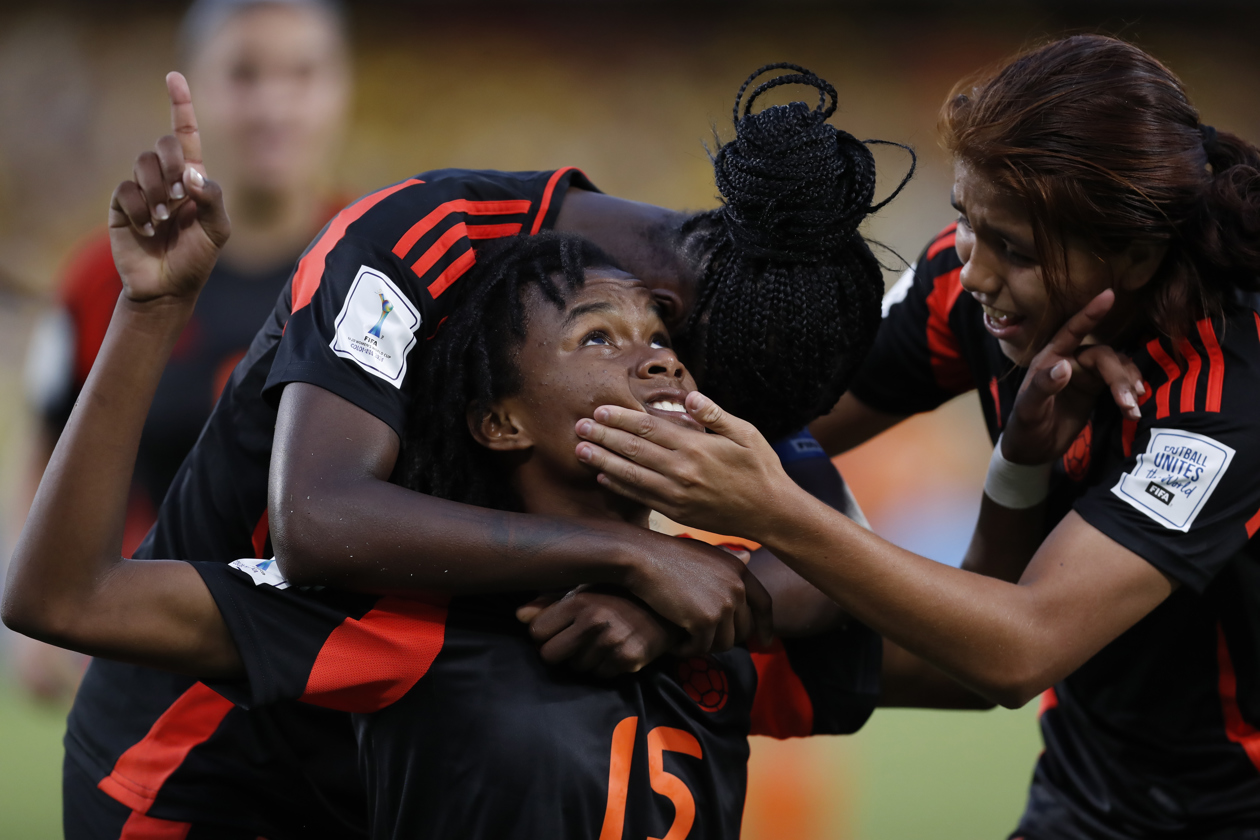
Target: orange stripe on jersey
x,y
311,267
140,772
1170,370
439,249
943,347
259,539
1256,315
545,204
1253,524
453,272
368,663
945,239
143,827
1236,729
459,205
1216,365
1194,364
997,401
781,705
493,231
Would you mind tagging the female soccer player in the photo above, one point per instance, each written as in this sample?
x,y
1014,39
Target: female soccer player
x,y
524,750
774,296
1082,171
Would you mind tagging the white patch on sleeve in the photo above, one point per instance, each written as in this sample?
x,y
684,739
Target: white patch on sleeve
x,y
262,571
376,328
897,293
1174,477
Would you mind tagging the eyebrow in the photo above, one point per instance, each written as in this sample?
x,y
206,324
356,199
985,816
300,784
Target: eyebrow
x,y
585,309
1018,241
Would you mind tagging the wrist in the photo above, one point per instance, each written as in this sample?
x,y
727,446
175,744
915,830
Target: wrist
x,y
1016,486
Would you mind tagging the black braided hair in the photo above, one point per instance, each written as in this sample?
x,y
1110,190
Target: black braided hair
x,y
789,292
472,363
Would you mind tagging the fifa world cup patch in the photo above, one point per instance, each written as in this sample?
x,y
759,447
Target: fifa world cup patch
x,y
376,327
1174,477
262,571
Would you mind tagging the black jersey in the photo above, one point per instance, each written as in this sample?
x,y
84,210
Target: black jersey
x,y
353,319
1154,736
465,732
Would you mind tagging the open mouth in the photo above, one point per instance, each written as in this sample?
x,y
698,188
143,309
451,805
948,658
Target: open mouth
x,y
999,322
670,407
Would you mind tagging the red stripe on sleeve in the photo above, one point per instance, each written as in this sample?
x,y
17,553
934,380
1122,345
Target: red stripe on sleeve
x,y
1256,315
453,272
781,705
437,250
493,231
459,205
1049,700
143,827
944,239
1170,370
1236,729
545,204
140,772
1194,364
1253,524
997,401
943,347
259,538
1216,365
368,663
310,269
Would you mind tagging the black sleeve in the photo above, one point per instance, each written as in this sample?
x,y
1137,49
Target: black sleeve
x,y
279,631
916,363
1185,497
840,670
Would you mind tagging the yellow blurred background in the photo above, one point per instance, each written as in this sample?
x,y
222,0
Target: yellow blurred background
x,y
630,93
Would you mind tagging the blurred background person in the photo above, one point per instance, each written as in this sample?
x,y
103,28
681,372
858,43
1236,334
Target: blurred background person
x,y
272,81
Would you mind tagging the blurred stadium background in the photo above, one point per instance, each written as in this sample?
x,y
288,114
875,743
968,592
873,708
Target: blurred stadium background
x,y
629,92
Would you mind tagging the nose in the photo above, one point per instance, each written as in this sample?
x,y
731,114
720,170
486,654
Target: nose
x,y
661,362
979,271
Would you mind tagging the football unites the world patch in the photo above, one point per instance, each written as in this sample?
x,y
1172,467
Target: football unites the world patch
x,y
1174,477
376,327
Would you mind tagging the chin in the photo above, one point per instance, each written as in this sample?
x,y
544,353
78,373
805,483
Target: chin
x,y
1021,356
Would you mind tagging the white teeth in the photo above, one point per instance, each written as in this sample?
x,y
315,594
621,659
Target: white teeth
x,y
666,405
995,314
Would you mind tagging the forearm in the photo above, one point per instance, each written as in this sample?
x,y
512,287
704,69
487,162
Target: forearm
x,y
986,633
72,537
1004,540
372,536
907,681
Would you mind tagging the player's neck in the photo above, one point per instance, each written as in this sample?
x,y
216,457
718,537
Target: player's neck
x,y
541,495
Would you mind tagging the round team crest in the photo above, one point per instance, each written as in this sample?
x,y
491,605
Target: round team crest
x,y
1076,459
704,680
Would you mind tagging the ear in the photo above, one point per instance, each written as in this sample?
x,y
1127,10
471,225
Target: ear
x,y
1138,265
498,428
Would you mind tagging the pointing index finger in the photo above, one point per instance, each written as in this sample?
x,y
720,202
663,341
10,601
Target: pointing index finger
x,y
1080,325
184,119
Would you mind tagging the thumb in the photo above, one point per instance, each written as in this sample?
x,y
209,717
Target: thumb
x,y
1050,381
710,415
208,196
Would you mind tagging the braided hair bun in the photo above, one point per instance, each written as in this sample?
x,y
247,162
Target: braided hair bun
x,y
789,297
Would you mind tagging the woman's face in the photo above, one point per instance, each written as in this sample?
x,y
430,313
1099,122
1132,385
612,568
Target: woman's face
x,y
608,346
1001,269
272,88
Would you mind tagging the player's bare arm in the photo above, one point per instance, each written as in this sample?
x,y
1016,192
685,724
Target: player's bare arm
x,y
68,584
1007,641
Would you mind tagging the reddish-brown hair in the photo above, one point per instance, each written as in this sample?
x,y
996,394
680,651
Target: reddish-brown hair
x,y
1100,142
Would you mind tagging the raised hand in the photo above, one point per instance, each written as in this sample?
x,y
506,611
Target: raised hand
x,y
167,224
1062,385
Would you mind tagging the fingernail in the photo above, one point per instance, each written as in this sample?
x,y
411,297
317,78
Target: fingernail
x,y
1128,400
1140,388
177,190
584,427
195,178
696,401
147,230
583,452
161,212
1061,369
602,414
